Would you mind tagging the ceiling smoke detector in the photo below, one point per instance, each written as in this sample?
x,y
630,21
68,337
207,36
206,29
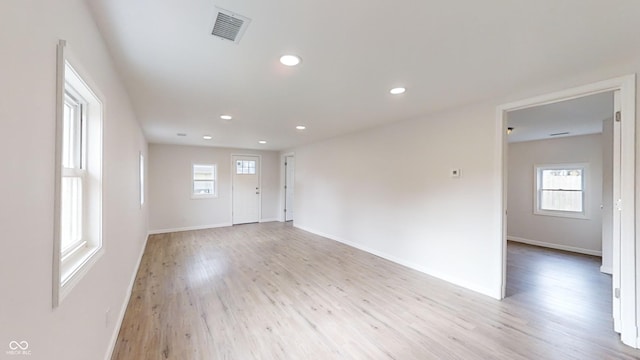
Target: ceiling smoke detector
x,y
229,25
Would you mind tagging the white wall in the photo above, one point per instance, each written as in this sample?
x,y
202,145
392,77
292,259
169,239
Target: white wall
x,y
389,191
580,235
172,207
78,328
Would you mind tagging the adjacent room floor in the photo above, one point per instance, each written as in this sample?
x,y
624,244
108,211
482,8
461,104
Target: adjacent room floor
x,y
270,291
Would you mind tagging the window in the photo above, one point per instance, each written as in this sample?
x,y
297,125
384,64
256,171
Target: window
x,y
560,190
141,165
245,167
204,181
78,195
73,172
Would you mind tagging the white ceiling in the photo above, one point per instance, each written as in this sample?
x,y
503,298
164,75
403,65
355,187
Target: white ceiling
x,y
446,53
579,116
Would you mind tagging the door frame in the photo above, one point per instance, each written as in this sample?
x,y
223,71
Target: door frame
x,y
283,181
259,183
287,206
628,256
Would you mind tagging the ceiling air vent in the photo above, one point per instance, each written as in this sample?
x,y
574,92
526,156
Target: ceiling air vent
x,y
229,25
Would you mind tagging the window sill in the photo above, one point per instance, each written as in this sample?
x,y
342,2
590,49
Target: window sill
x,y
198,197
562,214
75,267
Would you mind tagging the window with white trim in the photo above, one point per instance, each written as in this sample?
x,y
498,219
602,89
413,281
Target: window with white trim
x,y
204,181
560,190
78,195
73,172
141,166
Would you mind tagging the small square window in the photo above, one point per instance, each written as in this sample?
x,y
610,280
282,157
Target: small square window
x,y
245,167
560,190
204,181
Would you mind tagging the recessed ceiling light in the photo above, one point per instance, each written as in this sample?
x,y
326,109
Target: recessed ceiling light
x,y
207,137
181,134
226,117
262,142
290,60
301,127
397,91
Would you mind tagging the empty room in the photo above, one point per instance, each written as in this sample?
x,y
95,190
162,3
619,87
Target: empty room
x,y
319,180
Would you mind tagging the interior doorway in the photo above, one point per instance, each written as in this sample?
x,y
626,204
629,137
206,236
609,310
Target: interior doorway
x,y
556,210
623,292
245,189
289,185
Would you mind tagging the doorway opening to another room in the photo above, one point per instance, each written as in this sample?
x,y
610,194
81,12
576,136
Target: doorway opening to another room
x,y
544,191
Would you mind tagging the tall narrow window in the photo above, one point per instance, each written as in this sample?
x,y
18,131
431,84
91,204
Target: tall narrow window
x,y
73,172
78,195
560,190
141,165
204,181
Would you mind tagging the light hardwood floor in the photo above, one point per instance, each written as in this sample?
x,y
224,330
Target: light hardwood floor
x,y
270,291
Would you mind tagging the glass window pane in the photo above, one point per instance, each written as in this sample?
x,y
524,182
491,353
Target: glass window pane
x,y
71,212
244,167
561,200
71,134
562,179
203,172
141,179
204,177
203,187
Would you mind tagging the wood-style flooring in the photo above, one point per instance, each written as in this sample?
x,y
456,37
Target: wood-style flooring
x,y
270,291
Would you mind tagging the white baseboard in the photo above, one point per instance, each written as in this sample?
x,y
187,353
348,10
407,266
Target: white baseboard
x,y
555,246
494,293
269,220
188,228
606,269
125,304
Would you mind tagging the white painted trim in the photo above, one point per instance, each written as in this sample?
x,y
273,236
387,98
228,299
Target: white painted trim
x,y
629,254
269,220
555,246
283,180
606,270
188,228
60,68
125,304
423,269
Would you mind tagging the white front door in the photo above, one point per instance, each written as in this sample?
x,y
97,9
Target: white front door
x,y
289,164
246,189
